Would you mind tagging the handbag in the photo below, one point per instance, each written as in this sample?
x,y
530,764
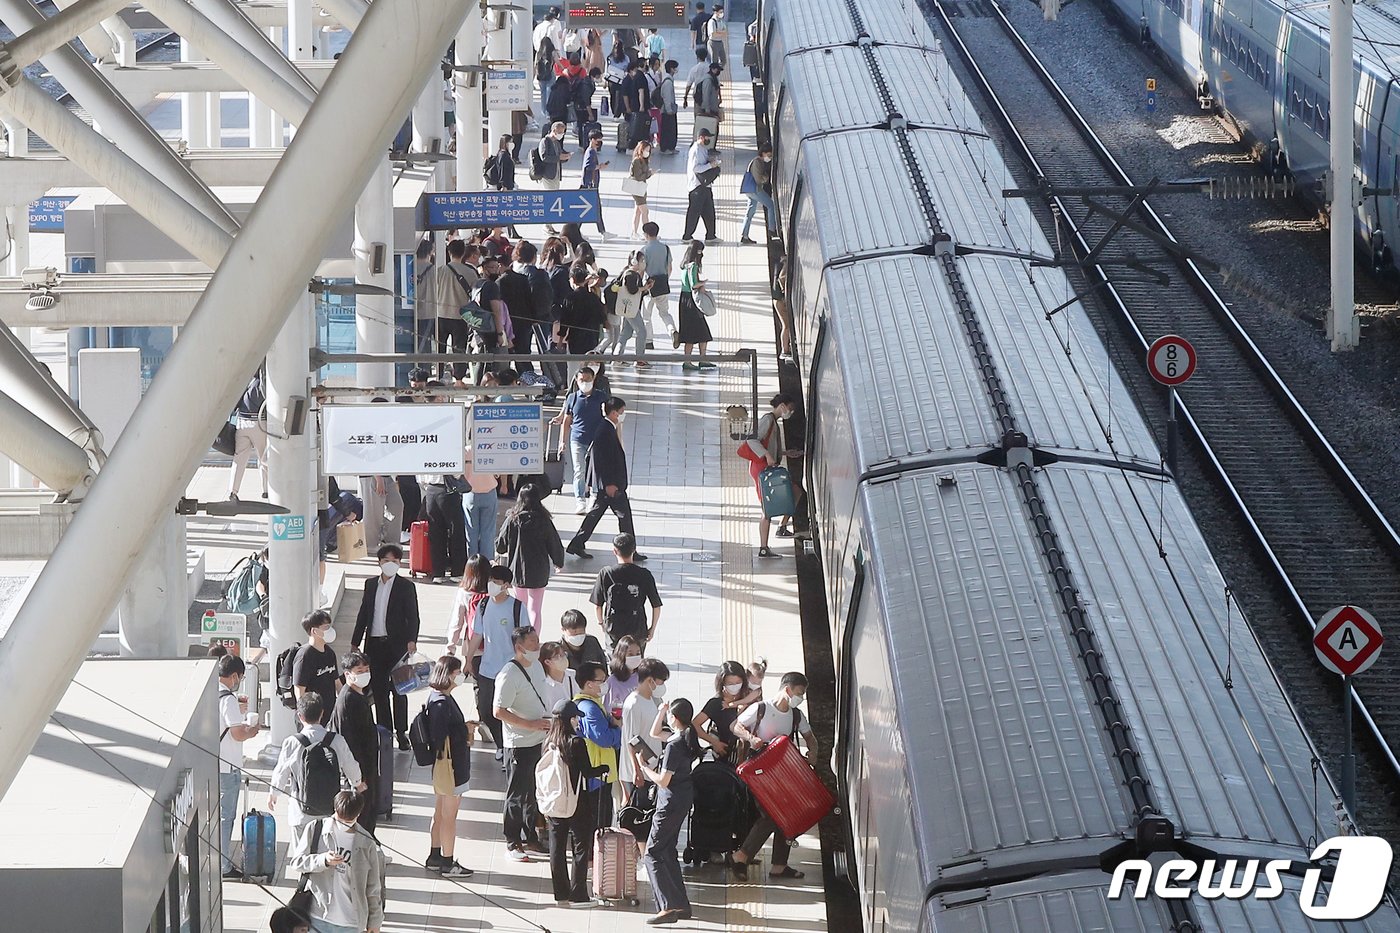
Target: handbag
x,y
747,453
227,440
748,185
750,54
634,186
301,902
637,816
705,303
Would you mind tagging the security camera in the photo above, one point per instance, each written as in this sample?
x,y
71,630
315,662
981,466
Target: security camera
x,y
39,277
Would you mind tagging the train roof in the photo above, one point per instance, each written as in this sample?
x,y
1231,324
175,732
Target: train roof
x,y
1376,33
836,91
1080,902
828,22
1003,721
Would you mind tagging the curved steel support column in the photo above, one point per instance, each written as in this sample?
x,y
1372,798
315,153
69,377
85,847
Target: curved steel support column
x,y
60,464
246,304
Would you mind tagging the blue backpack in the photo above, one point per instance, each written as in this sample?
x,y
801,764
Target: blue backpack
x,y
241,591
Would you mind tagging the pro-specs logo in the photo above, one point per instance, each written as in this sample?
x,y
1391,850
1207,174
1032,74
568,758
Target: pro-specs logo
x,y
1355,891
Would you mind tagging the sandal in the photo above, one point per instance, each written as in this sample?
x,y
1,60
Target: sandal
x,y
787,872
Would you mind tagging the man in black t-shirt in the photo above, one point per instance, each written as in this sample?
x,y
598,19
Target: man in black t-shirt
x,y
698,22
621,594
315,667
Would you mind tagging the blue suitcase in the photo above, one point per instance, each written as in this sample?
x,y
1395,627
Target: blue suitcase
x,y
259,845
776,486
384,805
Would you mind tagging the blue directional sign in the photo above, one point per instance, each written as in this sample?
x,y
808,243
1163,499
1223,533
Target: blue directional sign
x,y
46,214
451,210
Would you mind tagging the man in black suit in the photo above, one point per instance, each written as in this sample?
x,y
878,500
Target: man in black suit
x,y
388,628
607,473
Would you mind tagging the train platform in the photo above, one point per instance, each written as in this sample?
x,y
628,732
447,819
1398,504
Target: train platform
x,y
696,518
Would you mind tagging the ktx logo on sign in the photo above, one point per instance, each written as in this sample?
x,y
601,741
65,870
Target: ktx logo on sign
x,y
1347,640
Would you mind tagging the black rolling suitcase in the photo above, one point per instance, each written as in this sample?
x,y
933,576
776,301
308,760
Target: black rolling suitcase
x,y
666,138
557,372
722,814
633,129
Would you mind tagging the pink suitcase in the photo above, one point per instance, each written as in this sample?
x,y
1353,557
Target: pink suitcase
x,y
786,787
615,865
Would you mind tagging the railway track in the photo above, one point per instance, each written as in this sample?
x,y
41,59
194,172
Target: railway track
x,y
1308,517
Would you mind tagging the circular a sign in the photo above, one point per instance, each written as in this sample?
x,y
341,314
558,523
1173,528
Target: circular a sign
x,y
1347,640
1171,360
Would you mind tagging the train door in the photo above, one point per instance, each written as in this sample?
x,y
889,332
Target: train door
x,y
1381,172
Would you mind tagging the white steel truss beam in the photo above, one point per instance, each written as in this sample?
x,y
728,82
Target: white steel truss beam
x,y
242,311
33,44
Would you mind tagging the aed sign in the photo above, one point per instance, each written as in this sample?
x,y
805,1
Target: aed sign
x,y
392,439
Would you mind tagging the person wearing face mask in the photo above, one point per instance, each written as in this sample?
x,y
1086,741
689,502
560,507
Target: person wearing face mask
x,y
714,724
622,593
622,673
315,668
602,733
559,683
387,627
532,549
496,617
607,473
343,868
638,713
564,850
769,446
552,156
494,333
760,724
236,726
353,718
578,644
520,706
675,796
581,418
452,764
757,186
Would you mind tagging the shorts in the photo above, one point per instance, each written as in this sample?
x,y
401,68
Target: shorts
x,y
444,780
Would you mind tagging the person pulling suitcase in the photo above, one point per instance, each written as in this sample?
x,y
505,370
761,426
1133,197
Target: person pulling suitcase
x,y
760,724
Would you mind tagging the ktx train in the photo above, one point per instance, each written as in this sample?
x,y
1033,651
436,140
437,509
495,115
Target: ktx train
x,y
1264,64
1028,692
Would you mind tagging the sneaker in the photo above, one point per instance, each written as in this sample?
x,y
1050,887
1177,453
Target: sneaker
x,y
406,538
709,366
675,340
689,367
500,754
403,742
650,346
536,848
233,874
516,852
581,507
453,870
747,241
578,553
436,862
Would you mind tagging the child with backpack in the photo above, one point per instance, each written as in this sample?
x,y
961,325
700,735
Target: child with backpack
x,y
311,765
440,738
561,780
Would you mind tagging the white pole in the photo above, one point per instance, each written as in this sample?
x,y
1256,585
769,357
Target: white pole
x,y
428,128
242,310
468,86
498,49
1342,324
374,314
194,107
301,34
292,563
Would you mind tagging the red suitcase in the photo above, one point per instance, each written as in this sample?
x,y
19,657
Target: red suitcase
x,y
786,787
420,556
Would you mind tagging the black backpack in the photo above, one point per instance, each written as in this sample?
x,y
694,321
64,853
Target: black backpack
x,y
538,169
491,171
420,739
319,769
624,613
286,662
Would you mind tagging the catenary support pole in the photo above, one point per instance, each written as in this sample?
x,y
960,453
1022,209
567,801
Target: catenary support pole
x,y
1342,325
498,49
117,118
244,307
467,86
1172,436
374,265
1348,753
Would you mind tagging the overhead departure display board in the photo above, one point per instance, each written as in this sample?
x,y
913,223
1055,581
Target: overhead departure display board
x,y
640,14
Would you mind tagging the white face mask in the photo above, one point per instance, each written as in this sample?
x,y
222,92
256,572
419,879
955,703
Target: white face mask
x,y
389,568
755,684
783,416
658,691
495,589
733,689
532,655
585,386
328,635
795,700
360,680
576,641
458,679
634,662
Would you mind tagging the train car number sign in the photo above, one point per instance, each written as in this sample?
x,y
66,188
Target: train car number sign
x,y
1171,360
1348,640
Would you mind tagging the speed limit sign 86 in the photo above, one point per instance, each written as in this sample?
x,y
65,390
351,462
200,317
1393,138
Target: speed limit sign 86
x,y
1171,360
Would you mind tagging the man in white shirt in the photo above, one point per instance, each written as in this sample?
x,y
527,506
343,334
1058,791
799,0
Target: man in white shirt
x,y
718,32
638,715
236,726
550,28
699,72
311,710
519,705
700,205
760,724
